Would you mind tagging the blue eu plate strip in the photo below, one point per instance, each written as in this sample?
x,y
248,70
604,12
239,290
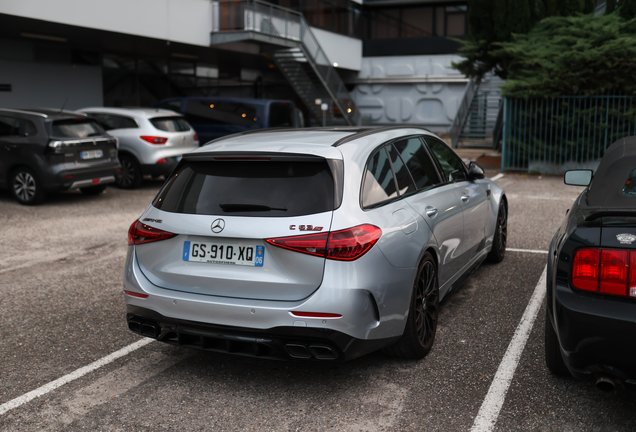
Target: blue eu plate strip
x,y
260,254
186,251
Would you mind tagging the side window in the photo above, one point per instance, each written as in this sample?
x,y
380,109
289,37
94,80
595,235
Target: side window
x,y
110,121
379,181
418,162
28,128
125,123
220,113
9,126
451,164
174,105
402,175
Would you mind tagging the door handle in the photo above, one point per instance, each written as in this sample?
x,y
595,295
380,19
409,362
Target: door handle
x,y
465,198
431,211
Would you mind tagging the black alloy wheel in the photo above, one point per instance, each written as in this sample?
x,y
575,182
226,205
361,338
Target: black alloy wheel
x,y
421,325
25,186
498,251
131,176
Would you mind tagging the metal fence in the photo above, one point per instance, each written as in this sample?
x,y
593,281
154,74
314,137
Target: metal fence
x,y
569,132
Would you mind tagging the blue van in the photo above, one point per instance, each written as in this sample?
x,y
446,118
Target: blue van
x,y
212,118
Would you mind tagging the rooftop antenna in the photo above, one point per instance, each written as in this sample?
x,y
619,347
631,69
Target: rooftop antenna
x,y
63,105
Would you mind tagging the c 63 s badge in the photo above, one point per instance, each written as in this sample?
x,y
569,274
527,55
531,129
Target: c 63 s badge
x,y
305,228
626,238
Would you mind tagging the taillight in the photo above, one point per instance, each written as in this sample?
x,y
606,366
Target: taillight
x,y
139,233
154,139
345,245
614,272
312,244
585,270
196,138
607,271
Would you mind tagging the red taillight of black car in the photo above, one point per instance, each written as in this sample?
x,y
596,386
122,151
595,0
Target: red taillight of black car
x,y
344,245
606,271
139,233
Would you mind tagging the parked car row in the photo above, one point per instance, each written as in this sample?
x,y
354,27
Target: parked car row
x,y
46,150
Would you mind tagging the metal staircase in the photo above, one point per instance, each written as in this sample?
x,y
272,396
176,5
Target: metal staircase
x,y
287,38
475,125
483,112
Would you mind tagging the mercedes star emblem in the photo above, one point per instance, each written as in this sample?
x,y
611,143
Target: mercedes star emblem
x,y
218,225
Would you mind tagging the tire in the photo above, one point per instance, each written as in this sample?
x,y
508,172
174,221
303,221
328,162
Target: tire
x,y
131,175
553,358
93,190
498,251
25,186
421,324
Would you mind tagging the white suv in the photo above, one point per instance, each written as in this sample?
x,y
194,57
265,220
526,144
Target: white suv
x,y
151,140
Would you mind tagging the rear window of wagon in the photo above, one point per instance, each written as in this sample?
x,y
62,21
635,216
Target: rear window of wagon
x,y
249,188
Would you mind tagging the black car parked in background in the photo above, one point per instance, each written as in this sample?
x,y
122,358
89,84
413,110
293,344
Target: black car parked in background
x,y
590,326
45,151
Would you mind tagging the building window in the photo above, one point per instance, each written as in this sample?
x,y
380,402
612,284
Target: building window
x,y
416,21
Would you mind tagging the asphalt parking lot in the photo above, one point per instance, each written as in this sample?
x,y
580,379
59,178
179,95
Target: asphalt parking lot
x,y
62,309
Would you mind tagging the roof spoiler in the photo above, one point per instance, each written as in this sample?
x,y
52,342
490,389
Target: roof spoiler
x,y
610,212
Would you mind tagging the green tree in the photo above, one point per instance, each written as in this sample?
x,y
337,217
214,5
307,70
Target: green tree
x,y
492,22
584,54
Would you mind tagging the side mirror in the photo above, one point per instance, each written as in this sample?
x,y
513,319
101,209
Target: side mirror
x,y
475,172
578,177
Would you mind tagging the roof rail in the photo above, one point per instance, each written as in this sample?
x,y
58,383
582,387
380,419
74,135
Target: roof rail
x,y
373,130
23,111
353,129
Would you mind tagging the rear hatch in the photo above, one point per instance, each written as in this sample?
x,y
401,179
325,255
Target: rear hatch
x,y
177,131
81,141
224,210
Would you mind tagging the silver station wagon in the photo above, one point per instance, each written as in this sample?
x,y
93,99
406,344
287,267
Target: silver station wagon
x,y
311,244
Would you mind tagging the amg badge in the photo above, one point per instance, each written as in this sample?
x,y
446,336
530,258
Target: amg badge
x,y
305,228
626,238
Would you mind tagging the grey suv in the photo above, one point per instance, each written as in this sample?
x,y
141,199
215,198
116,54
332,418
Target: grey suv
x,y
45,150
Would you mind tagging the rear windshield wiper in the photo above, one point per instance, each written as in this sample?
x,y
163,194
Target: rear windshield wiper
x,y
248,208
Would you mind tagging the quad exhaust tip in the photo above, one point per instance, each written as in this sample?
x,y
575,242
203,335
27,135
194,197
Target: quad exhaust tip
x,y
319,352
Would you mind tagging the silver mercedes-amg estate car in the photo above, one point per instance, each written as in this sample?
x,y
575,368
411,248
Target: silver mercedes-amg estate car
x,y
311,244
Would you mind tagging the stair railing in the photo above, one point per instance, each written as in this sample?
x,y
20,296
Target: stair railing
x,y
265,18
497,131
463,110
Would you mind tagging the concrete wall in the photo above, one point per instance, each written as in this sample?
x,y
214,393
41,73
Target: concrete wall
x,y
343,50
186,21
44,85
430,104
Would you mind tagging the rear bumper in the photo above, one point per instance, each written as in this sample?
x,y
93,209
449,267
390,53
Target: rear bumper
x,y
159,169
365,324
279,343
596,335
65,177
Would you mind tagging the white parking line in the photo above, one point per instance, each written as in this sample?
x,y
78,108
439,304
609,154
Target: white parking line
x,y
497,177
46,388
489,411
537,251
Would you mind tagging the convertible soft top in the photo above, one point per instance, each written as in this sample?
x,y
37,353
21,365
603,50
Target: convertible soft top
x,y
614,183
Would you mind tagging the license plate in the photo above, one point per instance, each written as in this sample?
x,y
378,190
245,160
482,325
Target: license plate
x,y
223,253
91,154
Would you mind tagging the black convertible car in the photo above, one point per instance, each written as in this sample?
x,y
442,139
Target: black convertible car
x,y
590,326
